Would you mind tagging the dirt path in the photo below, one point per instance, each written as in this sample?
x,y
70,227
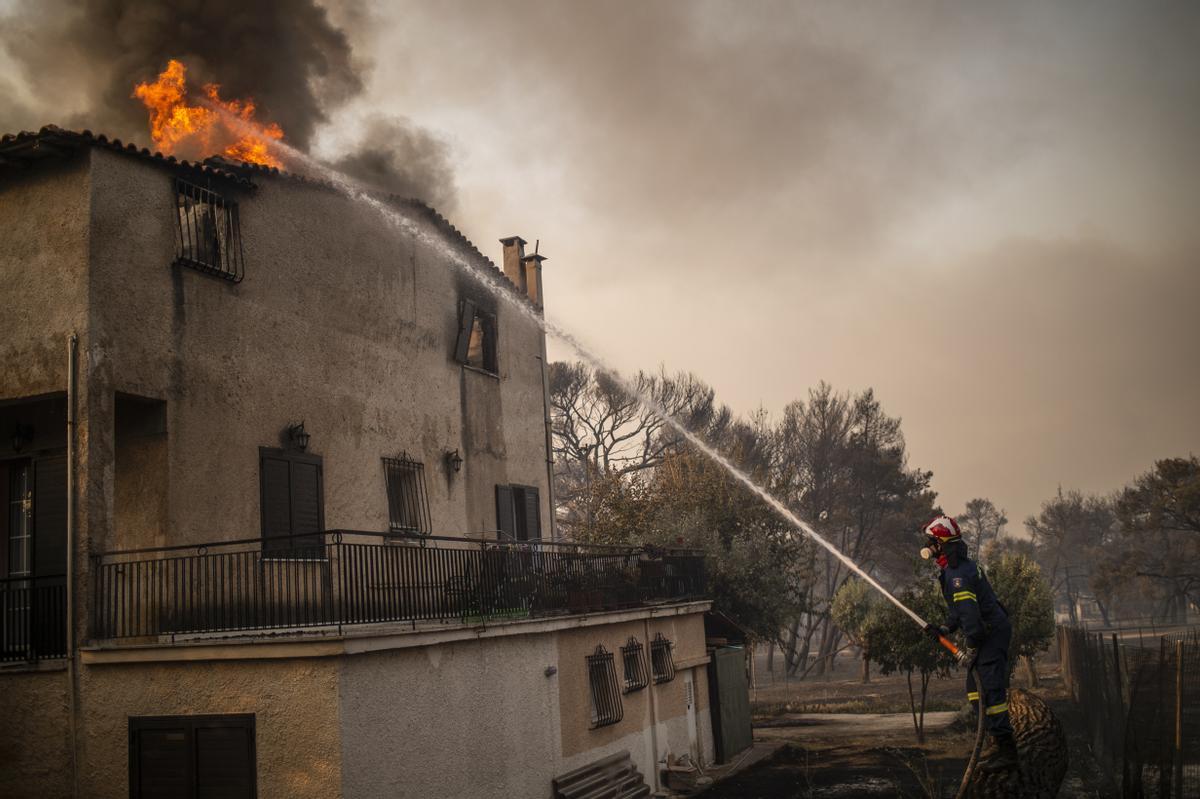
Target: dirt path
x,y
801,727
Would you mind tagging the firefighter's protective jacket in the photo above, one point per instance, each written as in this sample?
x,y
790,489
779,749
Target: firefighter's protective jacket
x,y
972,603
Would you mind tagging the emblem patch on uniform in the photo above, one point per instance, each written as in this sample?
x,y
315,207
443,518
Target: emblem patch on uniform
x,y
956,582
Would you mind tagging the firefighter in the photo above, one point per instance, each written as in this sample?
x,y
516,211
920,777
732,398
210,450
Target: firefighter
x,y
974,608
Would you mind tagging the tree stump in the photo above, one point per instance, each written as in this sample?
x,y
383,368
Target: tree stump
x,y
1043,754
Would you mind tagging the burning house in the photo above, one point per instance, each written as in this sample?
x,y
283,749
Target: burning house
x,y
275,513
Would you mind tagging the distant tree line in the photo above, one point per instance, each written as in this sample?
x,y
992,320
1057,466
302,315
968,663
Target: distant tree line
x,y
1134,553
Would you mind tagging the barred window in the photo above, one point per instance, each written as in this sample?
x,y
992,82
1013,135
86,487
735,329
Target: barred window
x,y
661,659
210,237
633,656
408,502
606,695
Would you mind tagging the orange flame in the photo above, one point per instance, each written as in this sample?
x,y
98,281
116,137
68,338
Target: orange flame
x,y
175,125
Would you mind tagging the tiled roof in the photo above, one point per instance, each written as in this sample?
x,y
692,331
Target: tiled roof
x,y
20,150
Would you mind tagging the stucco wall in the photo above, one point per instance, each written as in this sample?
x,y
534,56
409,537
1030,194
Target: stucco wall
x,y
341,321
480,718
43,259
648,743
35,754
469,719
294,703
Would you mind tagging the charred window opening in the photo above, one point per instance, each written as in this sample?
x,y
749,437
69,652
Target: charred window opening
x,y
476,345
210,238
633,657
518,512
661,659
605,693
408,501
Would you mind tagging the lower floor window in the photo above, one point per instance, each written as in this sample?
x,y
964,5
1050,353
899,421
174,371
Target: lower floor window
x,y
603,687
662,662
191,757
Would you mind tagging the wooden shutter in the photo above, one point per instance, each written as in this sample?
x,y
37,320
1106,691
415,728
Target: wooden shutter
x,y
50,516
4,513
466,321
160,762
505,518
533,514
307,511
224,762
491,345
291,496
276,502
192,757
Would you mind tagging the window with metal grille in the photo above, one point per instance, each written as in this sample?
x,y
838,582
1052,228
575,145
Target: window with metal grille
x,y
476,345
633,656
606,693
661,659
408,502
210,237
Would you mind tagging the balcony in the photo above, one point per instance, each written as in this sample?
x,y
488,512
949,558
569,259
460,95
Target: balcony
x,y
33,618
341,578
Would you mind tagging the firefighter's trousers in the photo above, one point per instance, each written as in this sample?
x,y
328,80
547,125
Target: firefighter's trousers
x,y
992,667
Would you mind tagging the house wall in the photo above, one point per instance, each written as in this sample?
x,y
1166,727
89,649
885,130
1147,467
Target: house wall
x,y
481,718
43,271
341,321
297,750
35,758
468,719
655,719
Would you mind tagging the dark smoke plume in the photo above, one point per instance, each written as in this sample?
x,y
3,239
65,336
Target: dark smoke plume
x,y
396,156
80,62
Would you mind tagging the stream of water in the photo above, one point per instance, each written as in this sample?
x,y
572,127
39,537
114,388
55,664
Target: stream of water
x,y
421,231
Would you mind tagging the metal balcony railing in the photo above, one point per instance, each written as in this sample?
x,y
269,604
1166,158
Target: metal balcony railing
x,y
33,618
348,577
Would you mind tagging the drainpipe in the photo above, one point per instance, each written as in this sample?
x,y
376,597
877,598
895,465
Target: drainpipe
x,y
72,668
658,782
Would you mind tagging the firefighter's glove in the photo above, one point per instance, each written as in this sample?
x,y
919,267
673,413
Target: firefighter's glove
x,y
965,657
936,631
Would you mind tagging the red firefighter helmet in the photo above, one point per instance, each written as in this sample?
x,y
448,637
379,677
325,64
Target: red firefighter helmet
x,y
944,529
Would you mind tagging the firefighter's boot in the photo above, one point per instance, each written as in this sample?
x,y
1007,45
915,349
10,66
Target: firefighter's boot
x,y
1000,755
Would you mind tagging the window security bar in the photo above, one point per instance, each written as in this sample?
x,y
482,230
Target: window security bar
x,y
606,694
633,656
408,500
661,659
210,236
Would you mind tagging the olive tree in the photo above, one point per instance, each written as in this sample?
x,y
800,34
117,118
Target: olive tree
x,y
1025,593
899,644
854,608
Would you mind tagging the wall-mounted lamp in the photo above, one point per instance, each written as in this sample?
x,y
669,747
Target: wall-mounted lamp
x,y
22,435
297,436
454,461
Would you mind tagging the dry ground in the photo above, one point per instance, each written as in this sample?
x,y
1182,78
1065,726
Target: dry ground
x,y
834,756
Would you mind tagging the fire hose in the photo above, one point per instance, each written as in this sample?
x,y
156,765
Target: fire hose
x,y
972,761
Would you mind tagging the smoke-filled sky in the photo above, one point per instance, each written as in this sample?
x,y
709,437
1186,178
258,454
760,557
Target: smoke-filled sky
x,y
983,210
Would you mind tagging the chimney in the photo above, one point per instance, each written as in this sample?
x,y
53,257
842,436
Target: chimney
x,y
514,254
533,277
